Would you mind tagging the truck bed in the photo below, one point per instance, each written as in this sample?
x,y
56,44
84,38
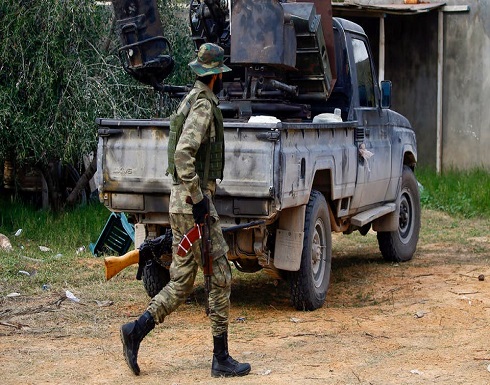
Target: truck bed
x,y
268,166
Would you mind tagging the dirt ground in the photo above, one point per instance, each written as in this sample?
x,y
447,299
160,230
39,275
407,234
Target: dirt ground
x,y
425,321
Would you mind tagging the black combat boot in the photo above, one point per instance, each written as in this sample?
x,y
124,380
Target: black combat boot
x,y
223,364
132,334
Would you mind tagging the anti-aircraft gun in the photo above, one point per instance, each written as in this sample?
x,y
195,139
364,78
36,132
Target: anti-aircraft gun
x,y
282,54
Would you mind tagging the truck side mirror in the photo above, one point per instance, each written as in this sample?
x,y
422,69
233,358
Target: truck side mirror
x,y
385,93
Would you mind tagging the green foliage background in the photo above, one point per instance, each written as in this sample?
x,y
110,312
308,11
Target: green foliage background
x,y
59,70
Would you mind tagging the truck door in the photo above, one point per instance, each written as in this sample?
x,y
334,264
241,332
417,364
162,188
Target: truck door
x,y
374,168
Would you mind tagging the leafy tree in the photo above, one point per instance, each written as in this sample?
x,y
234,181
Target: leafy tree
x,y
59,70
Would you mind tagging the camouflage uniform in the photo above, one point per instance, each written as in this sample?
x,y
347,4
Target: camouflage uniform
x,y
198,126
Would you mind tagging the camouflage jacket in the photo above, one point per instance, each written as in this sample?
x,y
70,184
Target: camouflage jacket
x,y
197,128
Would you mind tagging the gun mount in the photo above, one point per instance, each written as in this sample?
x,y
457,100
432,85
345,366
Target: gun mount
x,y
281,53
145,54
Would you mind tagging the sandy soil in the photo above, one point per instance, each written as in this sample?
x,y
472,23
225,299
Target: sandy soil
x,y
425,321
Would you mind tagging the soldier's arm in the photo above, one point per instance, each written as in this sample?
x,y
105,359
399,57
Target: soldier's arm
x,y
193,134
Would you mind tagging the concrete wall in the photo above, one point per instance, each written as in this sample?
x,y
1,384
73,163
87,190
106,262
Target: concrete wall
x,y
411,64
466,101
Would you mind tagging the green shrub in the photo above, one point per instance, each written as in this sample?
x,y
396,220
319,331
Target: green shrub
x,y
459,192
60,70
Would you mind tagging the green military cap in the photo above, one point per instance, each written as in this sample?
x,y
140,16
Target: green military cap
x,y
209,60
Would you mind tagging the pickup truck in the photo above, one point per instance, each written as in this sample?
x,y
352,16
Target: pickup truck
x,y
346,165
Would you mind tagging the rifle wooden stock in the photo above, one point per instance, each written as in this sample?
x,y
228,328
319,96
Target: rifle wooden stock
x,y
114,265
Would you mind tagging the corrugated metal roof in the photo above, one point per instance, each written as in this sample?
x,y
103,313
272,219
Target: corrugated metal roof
x,y
387,7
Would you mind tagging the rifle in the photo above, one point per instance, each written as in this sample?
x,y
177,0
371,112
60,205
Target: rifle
x,y
114,265
149,249
206,259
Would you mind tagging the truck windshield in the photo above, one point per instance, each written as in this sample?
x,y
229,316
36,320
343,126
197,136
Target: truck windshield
x,y
364,74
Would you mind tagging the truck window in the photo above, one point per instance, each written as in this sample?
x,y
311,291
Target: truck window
x,y
364,74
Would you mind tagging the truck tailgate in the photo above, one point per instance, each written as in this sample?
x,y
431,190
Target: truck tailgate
x,y
132,158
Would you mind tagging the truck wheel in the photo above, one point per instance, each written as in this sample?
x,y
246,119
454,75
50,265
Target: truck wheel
x,y
400,245
155,277
309,285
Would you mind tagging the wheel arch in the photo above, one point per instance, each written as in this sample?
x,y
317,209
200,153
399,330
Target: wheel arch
x,y
289,237
322,182
409,157
389,222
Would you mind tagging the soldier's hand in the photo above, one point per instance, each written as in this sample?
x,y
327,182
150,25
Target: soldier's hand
x,y
199,210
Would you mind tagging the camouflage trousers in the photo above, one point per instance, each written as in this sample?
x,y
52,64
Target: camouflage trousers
x,y
183,272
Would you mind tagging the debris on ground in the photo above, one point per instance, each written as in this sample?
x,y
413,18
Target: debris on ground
x,y
266,372
14,325
71,296
104,303
32,259
5,243
420,314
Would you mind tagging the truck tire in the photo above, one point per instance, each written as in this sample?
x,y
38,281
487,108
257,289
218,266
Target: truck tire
x,y
155,277
400,245
309,285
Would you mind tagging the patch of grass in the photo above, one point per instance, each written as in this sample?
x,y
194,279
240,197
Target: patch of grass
x,y
461,193
65,231
364,297
66,235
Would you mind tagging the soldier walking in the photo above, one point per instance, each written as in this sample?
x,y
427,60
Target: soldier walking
x,y
196,160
